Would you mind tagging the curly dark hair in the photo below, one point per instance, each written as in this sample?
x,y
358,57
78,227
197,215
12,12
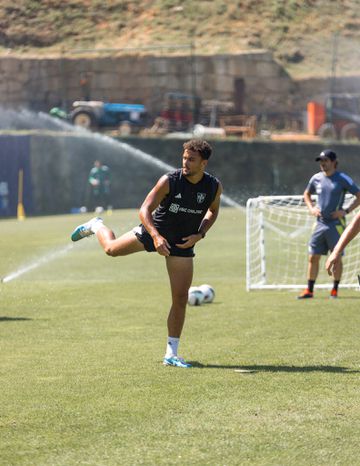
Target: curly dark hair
x,y
200,146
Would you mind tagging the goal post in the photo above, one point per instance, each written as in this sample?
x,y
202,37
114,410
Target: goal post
x,y
278,230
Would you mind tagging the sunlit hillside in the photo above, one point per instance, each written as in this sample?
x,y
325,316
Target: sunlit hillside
x,y
301,34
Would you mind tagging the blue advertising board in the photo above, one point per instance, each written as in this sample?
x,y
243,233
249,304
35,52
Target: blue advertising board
x,y
14,158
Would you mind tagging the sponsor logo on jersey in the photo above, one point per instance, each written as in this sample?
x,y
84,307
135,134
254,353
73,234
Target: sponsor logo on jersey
x,y
200,197
178,196
191,211
174,208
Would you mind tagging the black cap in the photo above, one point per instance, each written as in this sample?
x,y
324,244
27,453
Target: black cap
x,y
326,154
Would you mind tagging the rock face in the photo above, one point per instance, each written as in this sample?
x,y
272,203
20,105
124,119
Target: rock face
x,y
40,84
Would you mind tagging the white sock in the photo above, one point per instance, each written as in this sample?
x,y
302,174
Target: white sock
x,y
95,227
172,347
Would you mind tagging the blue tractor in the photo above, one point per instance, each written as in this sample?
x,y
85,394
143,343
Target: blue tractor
x,y
94,114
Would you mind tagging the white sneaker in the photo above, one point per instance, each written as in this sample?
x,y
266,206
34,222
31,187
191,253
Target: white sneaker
x,y
84,230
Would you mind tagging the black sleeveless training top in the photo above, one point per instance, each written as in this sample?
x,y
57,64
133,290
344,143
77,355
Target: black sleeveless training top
x,y
182,210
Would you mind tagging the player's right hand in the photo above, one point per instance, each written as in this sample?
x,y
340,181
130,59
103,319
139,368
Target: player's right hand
x,y
161,245
316,212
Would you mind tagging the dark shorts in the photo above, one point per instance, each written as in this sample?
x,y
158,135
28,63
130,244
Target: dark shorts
x,y
144,237
324,237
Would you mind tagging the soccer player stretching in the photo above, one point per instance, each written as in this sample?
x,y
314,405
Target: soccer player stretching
x,y
175,215
331,186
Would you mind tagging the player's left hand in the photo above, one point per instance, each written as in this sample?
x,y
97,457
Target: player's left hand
x,y
189,241
338,214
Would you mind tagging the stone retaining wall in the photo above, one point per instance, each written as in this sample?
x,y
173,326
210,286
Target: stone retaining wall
x,y
40,84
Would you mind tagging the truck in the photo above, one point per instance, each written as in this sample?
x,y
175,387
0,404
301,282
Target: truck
x,y
337,118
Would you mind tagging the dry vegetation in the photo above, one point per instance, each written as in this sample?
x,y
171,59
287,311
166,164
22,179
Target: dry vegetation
x,y
299,32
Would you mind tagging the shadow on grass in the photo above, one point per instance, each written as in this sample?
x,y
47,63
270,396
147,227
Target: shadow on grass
x,y
263,368
13,319
341,298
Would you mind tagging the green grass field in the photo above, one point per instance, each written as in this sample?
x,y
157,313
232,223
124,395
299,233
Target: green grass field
x,y
82,338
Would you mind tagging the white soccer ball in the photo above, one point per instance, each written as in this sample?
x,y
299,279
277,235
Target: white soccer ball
x,y
195,296
208,292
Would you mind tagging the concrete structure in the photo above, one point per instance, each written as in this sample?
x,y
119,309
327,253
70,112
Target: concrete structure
x,y
253,81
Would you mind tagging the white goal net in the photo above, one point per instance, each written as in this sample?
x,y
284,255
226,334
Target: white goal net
x,y
278,229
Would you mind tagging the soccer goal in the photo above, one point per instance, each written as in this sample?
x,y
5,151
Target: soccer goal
x,y
278,229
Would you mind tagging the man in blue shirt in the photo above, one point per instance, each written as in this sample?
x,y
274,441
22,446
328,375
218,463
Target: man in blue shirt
x,y
330,186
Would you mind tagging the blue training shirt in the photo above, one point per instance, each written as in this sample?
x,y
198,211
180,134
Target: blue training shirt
x,y
331,192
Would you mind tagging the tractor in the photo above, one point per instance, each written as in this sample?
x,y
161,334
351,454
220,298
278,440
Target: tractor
x,y
96,114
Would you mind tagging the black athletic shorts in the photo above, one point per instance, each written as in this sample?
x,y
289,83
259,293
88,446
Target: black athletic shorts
x,y
145,238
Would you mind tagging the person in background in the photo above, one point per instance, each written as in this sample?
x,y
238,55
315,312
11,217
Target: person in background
x,y
331,186
99,180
